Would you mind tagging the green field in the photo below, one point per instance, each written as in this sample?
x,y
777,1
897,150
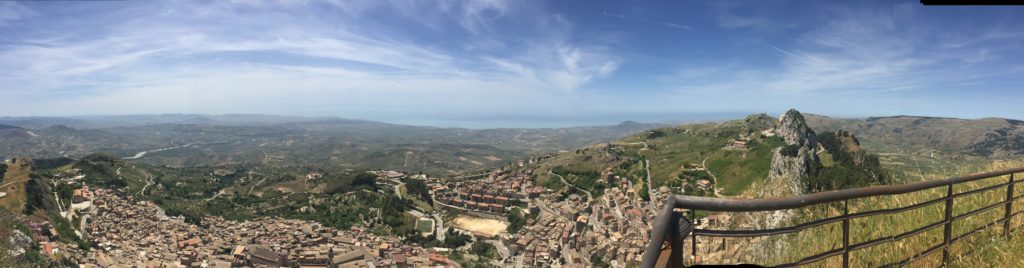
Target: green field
x,y
736,170
425,226
670,151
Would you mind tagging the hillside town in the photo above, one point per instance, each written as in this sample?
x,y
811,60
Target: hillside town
x,y
129,232
572,231
493,195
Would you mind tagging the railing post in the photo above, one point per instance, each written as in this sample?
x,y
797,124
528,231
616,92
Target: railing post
x,y
680,227
947,231
846,233
1009,207
693,238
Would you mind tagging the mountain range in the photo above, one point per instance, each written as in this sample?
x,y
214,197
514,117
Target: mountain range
x,y
989,137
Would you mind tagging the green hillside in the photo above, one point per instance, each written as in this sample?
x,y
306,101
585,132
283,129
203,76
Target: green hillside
x,y
987,137
671,151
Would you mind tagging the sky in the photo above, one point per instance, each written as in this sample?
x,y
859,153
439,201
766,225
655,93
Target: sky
x,y
515,63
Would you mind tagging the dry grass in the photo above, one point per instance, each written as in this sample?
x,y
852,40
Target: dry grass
x,y
13,183
985,248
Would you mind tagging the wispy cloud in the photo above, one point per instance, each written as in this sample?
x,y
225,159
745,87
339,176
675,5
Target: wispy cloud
x,y
365,58
860,49
644,20
155,60
12,11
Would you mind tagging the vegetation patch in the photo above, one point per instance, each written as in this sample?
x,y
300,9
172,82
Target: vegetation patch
x,y
736,170
852,166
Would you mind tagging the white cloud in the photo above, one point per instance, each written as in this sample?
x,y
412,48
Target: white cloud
x,y
241,57
855,50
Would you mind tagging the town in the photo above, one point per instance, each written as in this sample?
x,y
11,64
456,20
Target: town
x,y
577,230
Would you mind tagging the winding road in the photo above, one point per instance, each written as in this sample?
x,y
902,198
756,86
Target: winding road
x,y
590,196
714,186
647,174
149,181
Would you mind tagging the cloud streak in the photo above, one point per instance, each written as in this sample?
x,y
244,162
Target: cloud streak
x,y
648,21
397,59
229,58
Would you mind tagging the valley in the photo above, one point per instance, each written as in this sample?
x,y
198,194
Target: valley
x,y
592,205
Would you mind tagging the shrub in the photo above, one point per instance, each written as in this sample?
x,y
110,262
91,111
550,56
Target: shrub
x,y
790,150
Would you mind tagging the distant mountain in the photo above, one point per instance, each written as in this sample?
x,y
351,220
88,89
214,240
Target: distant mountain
x,y
188,140
37,122
991,137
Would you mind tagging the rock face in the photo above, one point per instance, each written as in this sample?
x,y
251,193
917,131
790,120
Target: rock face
x,y
20,242
786,174
793,128
785,178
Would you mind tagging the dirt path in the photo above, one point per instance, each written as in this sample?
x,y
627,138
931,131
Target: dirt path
x,y
717,190
219,193
149,181
257,184
9,183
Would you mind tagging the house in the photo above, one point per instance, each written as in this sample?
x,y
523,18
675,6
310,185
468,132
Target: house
x,y
266,257
239,255
190,242
739,144
80,195
704,184
349,257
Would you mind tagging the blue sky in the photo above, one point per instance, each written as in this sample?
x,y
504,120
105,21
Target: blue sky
x,y
511,63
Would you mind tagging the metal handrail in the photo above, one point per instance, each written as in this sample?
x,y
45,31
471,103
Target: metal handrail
x,y
661,231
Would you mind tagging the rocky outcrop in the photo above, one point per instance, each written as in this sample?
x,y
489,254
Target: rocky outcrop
x,y
759,121
786,174
793,128
787,171
785,178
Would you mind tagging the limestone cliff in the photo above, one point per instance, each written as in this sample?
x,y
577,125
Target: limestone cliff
x,y
787,168
790,165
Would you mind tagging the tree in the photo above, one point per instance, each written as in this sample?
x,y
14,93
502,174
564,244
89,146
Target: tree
x,y
852,168
417,188
483,249
790,150
516,221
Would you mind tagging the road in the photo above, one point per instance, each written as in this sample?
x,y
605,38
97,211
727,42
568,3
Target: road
x,y
257,184
544,206
650,186
149,181
439,223
219,193
714,186
82,226
590,197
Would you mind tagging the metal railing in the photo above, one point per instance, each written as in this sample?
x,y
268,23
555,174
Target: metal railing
x,y
673,227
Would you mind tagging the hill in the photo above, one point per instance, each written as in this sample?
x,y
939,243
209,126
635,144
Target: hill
x,y
191,140
732,156
987,137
